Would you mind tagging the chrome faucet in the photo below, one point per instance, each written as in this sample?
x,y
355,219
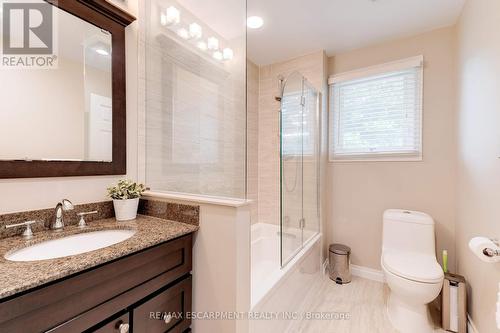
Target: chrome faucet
x,y
63,206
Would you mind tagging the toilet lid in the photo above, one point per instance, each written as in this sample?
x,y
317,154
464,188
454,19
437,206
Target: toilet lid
x,y
413,266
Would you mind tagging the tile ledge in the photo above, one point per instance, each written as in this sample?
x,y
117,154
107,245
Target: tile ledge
x,y
200,199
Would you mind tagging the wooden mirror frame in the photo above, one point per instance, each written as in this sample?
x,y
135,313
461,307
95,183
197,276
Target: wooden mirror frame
x,y
113,19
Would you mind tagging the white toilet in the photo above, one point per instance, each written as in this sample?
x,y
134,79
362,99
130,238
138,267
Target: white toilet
x,y
410,268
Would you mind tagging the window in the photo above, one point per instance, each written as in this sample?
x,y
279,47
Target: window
x,y
376,113
298,121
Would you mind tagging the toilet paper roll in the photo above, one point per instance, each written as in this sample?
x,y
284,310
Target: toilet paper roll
x,y
478,244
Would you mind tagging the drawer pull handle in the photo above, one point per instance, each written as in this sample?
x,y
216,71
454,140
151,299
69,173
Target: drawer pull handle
x,y
167,318
123,327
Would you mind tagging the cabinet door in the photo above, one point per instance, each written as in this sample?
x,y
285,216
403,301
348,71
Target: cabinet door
x,y
78,302
165,312
118,325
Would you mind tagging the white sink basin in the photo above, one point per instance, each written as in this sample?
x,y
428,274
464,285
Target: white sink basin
x,y
70,245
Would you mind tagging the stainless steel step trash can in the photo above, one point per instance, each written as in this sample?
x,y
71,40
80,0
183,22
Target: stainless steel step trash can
x,y
339,262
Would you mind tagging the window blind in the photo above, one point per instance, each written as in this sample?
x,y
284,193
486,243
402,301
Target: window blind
x,y
292,124
377,116
298,122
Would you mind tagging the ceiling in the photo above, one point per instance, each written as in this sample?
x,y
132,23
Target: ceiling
x,y
297,27
78,39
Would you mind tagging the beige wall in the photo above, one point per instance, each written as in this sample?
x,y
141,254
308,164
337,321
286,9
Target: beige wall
x,y
479,148
359,192
26,194
221,267
41,127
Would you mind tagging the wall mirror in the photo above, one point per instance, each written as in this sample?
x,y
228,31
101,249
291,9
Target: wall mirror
x,y
64,116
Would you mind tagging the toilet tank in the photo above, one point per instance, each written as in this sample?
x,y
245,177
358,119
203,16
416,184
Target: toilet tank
x,y
405,230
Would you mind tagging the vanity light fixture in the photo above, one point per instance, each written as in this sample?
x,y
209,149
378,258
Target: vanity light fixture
x,y
172,16
213,43
218,55
195,31
255,22
163,19
202,45
227,54
183,33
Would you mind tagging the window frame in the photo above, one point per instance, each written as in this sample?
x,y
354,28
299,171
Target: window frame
x,y
394,66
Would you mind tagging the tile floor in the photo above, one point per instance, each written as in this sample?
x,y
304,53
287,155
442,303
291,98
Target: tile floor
x,y
363,299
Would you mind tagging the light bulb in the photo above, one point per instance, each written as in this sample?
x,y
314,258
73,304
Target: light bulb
x,y
202,46
217,55
173,16
227,54
195,30
183,33
213,43
163,19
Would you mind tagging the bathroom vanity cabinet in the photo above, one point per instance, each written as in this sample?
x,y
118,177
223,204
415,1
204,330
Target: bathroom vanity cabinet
x,y
147,291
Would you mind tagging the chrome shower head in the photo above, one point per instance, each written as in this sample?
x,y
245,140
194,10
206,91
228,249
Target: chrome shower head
x,y
281,86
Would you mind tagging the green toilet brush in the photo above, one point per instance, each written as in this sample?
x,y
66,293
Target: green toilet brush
x,y
445,261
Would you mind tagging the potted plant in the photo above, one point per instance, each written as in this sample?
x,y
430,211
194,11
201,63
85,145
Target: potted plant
x,y
125,197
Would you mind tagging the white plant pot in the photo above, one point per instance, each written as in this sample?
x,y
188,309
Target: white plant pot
x,y
126,210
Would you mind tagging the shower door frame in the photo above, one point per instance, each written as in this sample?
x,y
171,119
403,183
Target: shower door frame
x,y
317,147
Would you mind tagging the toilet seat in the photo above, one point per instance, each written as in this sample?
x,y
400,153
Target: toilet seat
x,y
413,266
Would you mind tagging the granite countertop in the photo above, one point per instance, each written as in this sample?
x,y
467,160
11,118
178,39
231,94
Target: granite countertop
x,y
16,277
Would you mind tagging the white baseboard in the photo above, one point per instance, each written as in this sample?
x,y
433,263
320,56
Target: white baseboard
x,y
361,271
471,328
368,273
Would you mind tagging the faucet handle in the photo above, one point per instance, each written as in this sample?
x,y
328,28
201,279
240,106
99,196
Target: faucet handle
x,y
28,233
81,223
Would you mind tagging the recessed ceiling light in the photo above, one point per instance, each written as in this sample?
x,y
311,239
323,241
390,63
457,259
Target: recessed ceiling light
x,y
102,52
255,22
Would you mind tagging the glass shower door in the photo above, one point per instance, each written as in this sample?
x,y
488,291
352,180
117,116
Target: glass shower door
x,y
291,123
299,165
310,163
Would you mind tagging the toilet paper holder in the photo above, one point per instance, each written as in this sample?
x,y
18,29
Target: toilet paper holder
x,y
485,248
489,252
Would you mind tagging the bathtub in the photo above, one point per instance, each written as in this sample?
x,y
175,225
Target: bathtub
x,y
277,289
